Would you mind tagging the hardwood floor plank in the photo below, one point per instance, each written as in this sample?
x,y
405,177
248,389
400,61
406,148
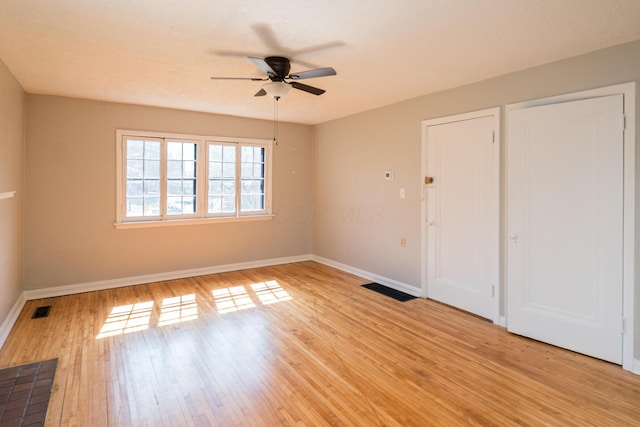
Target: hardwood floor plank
x,y
302,344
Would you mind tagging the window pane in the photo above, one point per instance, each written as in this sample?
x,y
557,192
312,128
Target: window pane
x,y
215,153
174,169
134,188
189,169
252,187
135,168
247,203
174,205
189,205
134,206
143,174
215,204
174,187
152,188
215,187
228,188
215,170
247,154
228,170
152,206
228,204
152,169
247,169
188,151
189,187
174,151
181,205
181,174
252,175
152,150
252,203
229,153
135,149
222,204
222,174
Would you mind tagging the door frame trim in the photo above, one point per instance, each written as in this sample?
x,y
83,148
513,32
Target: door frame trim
x,y
489,112
628,90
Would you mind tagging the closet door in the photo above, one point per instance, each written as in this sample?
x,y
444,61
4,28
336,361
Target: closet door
x,y
565,225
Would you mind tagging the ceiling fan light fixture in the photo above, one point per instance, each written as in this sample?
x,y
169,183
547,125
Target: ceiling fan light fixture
x,y
276,89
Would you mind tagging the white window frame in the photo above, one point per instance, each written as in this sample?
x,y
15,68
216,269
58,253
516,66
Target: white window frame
x,y
202,181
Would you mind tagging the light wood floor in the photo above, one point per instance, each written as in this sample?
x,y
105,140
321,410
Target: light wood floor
x,y
302,344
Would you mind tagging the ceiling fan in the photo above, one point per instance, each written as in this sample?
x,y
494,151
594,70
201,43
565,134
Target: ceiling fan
x,y
277,70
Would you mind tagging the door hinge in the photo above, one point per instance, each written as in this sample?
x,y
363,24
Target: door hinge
x,y
493,291
493,137
624,326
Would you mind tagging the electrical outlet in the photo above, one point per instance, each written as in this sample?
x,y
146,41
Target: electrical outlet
x,y
403,242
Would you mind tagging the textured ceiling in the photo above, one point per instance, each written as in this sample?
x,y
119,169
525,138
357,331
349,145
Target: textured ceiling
x,y
163,52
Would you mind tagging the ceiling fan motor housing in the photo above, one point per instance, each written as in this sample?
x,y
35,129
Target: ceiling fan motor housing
x,y
280,65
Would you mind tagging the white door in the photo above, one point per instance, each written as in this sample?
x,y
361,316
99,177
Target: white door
x,y
462,212
565,225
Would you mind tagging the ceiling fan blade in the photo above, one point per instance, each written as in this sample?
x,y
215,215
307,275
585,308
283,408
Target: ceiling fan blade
x,y
268,37
255,79
261,92
307,88
310,74
232,53
262,64
321,46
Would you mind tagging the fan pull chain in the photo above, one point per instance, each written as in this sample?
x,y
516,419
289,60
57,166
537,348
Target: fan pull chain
x,y
275,119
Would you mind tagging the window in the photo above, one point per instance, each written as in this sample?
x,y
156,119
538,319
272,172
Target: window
x,y
166,177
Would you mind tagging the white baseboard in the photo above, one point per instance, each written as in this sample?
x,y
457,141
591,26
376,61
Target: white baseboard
x,y
394,284
157,277
11,318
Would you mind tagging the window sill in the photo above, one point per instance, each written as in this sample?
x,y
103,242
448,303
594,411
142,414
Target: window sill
x,y
191,221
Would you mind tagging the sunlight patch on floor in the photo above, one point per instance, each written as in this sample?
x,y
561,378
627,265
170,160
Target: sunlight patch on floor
x,y
128,318
270,292
178,309
232,299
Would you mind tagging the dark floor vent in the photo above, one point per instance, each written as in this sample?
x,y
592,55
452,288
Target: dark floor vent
x,y
41,312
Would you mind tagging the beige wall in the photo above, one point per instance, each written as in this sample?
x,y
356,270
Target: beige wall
x,y
12,103
351,155
358,216
70,207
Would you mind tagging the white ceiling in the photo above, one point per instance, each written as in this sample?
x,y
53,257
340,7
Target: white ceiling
x,y
163,52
